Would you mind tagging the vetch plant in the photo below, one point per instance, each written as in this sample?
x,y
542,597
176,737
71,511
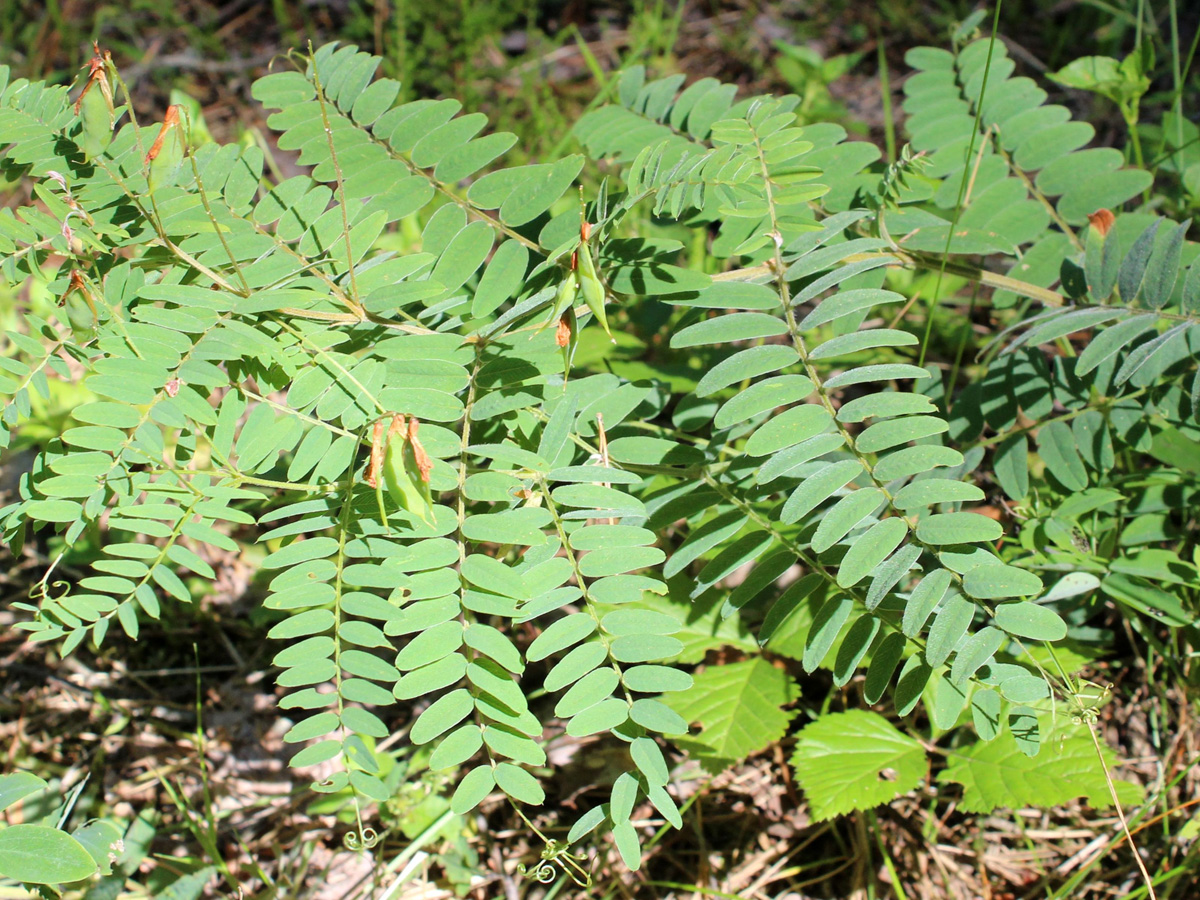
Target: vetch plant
x,y
504,476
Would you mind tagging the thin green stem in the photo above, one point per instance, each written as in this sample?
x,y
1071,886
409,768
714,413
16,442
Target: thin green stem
x,y
1177,75
962,188
885,93
341,183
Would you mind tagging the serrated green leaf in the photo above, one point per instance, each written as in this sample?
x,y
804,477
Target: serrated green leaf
x,y
999,774
739,707
855,760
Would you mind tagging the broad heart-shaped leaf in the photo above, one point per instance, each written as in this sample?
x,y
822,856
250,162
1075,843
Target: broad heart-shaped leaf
x,y
855,760
38,854
740,710
998,774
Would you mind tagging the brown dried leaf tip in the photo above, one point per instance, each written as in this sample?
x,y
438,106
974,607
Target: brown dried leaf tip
x,y
97,74
170,119
376,455
424,463
404,430
1101,220
562,334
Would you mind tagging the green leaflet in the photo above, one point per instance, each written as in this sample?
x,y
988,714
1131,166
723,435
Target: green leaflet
x,y
818,488
871,549
958,528
1056,446
999,582
727,328
950,623
1029,620
791,427
745,364
844,515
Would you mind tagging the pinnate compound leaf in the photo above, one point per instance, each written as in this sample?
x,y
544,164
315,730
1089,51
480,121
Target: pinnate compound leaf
x,y
740,710
855,760
999,774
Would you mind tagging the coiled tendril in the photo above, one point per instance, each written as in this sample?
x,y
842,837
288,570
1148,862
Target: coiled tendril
x,y
557,853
